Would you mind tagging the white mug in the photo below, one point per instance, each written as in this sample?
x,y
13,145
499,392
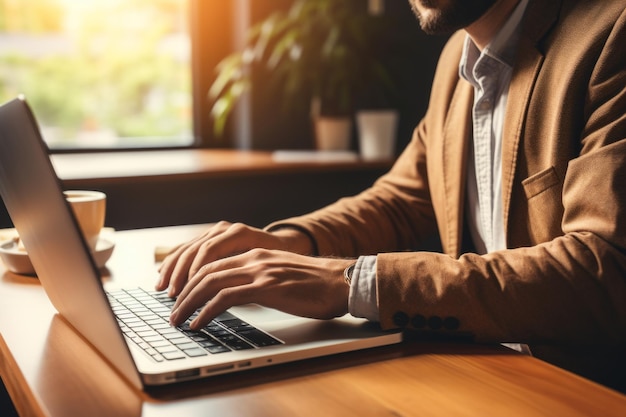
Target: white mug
x,y
89,208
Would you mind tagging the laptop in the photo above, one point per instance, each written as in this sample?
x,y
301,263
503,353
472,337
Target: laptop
x,y
126,325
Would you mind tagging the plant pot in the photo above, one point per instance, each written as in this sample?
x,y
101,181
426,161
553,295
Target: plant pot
x,y
377,133
333,133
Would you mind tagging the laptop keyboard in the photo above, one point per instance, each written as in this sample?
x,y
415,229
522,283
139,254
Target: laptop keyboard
x,y
144,319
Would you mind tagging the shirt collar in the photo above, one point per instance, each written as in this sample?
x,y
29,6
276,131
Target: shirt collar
x,y
501,48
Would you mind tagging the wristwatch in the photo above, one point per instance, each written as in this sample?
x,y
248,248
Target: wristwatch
x,y
347,273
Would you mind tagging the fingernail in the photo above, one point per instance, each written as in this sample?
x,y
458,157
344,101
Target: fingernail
x,y
173,317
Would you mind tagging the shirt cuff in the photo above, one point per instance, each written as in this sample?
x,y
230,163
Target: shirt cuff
x,y
362,300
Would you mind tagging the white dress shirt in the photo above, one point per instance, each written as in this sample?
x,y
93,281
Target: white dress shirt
x,y
489,72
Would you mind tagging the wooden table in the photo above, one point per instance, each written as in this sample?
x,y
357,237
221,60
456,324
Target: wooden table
x,y
49,369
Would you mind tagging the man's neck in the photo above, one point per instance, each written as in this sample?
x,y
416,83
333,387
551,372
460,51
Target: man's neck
x,y
484,29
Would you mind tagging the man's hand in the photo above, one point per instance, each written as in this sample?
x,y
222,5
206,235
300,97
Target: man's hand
x,y
297,284
221,241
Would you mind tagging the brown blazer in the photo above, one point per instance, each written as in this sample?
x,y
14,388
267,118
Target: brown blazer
x,y
563,278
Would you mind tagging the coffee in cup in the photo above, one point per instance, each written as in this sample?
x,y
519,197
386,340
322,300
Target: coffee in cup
x,y
89,208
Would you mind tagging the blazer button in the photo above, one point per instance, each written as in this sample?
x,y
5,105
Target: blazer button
x,y
451,323
435,322
418,322
400,319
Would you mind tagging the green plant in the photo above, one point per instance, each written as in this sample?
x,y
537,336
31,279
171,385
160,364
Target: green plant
x,y
320,49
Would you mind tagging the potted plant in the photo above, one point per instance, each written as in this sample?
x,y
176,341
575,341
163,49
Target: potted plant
x,y
318,49
377,121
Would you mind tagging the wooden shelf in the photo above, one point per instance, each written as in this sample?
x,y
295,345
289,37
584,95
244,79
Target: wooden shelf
x,y
183,186
195,163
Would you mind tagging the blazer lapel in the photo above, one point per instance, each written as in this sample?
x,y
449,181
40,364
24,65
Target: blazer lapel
x,y
539,17
455,145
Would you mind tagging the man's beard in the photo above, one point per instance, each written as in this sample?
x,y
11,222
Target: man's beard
x,y
451,17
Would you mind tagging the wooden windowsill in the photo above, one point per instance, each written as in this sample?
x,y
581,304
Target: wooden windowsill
x,y
196,163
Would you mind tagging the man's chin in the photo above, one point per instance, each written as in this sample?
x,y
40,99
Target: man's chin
x,y
428,3
438,17
431,18
433,24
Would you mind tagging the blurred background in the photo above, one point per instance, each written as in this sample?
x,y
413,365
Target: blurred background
x,y
123,86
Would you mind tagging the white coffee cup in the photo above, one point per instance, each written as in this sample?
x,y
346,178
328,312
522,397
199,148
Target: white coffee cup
x,y
89,208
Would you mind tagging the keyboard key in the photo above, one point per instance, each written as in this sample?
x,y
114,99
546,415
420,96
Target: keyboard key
x,y
225,316
169,331
186,345
217,349
154,338
158,358
170,356
166,349
235,324
235,343
160,327
195,352
258,338
159,343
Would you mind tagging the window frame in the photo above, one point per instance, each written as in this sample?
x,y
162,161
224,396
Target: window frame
x,y
207,20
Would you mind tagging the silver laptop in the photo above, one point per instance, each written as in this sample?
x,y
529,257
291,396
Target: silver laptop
x,y
129,326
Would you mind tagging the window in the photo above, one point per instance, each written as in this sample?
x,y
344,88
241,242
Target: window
x,y
101,73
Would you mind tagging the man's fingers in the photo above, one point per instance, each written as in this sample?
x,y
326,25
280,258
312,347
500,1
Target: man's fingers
x,y
179,273
167,266
233,239
221,240
223,300
207,285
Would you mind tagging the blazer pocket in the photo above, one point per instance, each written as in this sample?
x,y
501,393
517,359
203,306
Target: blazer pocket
x,y
540,182
545,205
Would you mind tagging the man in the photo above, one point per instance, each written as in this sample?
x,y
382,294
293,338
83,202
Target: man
x,y
518,166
